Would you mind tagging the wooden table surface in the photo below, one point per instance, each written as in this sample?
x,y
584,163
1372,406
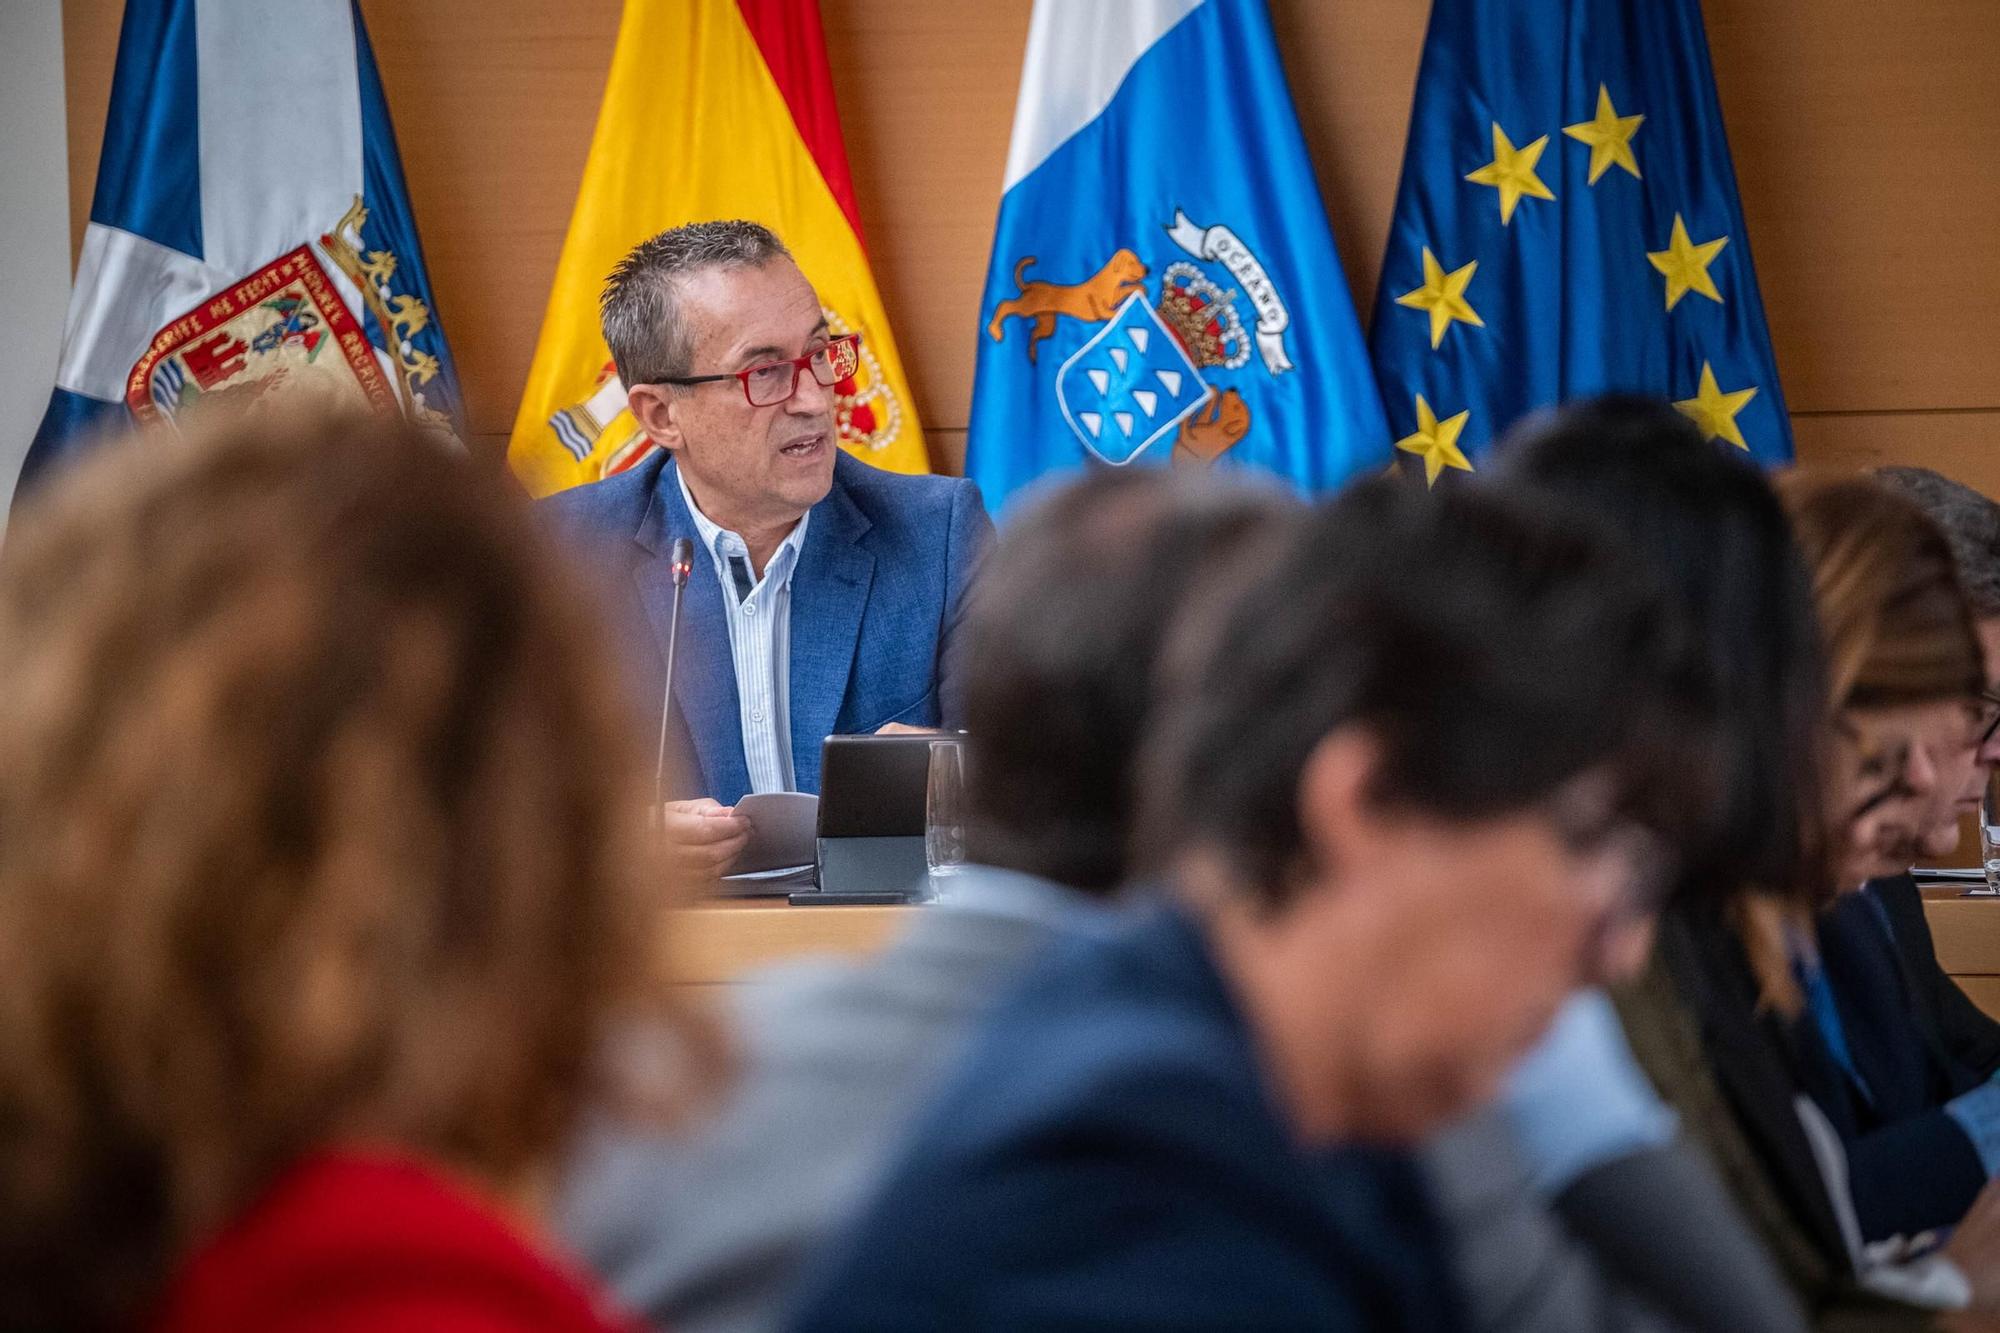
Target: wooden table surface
x,y
715,943
1966,932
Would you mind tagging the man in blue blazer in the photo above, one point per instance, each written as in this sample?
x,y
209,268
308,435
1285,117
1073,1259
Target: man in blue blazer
x,y
825,593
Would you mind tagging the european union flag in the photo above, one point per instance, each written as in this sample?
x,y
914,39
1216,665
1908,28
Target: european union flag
x,y
1568,225
1164,287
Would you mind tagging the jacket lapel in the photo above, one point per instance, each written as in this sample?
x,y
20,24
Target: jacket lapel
x,y
829,595
705,677
1758,1071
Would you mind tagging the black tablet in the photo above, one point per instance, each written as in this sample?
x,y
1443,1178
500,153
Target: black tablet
x,y
874,786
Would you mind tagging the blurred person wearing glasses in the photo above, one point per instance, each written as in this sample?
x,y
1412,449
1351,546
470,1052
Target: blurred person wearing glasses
x,y
319,893
826,594
1916,1038
1916,1156
1390,840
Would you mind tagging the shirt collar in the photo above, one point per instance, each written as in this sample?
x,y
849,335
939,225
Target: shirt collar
x,y
721,543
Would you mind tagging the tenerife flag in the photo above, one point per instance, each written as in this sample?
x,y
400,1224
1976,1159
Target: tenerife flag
x,y
1163,286
250,235
1568,225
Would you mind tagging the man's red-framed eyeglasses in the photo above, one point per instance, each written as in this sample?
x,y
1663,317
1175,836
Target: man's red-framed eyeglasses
x,y
775,382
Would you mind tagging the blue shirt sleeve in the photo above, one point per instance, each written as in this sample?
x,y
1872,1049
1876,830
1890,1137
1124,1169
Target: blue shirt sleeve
x,y
1579,1098
1978,1113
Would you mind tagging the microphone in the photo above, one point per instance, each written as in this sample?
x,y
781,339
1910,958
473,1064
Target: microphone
x,y
680,563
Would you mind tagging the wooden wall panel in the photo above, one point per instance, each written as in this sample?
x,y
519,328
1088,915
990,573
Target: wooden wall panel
x,y
1865,135
90,49
926,96
494,106
1964,444
1867,142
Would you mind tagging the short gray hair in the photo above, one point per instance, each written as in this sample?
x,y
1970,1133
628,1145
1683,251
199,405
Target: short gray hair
x,y
1970,523
640,307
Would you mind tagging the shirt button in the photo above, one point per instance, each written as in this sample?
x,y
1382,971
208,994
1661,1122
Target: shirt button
x,y
757,715
749,608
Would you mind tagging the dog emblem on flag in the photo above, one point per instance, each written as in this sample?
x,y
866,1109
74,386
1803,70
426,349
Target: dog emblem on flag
x,y
1130,386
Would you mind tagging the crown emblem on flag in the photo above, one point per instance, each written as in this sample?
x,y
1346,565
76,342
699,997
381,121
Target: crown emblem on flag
x,y
865,411
1202,317
399,315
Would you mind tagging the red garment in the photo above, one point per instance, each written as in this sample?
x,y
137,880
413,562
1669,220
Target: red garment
x,y
346,1242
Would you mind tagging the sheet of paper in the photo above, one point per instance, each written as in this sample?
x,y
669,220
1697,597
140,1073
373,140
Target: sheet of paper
x,y
783,828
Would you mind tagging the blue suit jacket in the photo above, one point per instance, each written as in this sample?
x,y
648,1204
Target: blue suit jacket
x,y
1106,1156
1910,1164
876,600
1960,1028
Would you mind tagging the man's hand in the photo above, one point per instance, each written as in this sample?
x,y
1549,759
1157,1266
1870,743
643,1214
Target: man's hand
x,y
904,729
702,837
1975,1247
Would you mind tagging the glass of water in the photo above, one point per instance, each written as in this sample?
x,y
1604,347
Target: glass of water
x,y
944,814
1989,831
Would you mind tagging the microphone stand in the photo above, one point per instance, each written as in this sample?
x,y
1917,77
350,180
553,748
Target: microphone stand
x,y
680,563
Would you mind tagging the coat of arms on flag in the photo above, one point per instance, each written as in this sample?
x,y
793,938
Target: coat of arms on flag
x,y
286,328
1140,379
1157,276
238,257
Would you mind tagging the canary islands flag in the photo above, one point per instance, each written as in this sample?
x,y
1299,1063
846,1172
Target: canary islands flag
x,y
250,235
1164,286
715,109
1567,225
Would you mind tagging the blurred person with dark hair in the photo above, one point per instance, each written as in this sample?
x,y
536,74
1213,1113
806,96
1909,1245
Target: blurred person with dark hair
x,y
320,879
1063,629
1734,1021
1662,1236
1392,839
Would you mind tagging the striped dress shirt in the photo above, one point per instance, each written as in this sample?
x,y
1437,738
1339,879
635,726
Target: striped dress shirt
x,y
759,612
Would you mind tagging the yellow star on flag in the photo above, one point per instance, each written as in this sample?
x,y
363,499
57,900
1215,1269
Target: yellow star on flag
x,y
1443,295
1715,411
1609,136
1436,442
1512,172
1686,264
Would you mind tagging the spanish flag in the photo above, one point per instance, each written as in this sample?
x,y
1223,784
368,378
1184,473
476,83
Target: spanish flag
x,y
715,109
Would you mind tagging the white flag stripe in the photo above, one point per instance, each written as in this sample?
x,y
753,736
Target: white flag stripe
x,y
109,329
280,135
1079,51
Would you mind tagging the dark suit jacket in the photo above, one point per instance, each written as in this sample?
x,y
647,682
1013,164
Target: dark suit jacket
x,y
1961,1028
1733,1071
1911,1166
876,600
1107,1157
1757,1062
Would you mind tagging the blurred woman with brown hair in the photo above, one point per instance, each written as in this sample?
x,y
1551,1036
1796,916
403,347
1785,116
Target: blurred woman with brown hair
x,y
1908,677
1903,660
320,885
